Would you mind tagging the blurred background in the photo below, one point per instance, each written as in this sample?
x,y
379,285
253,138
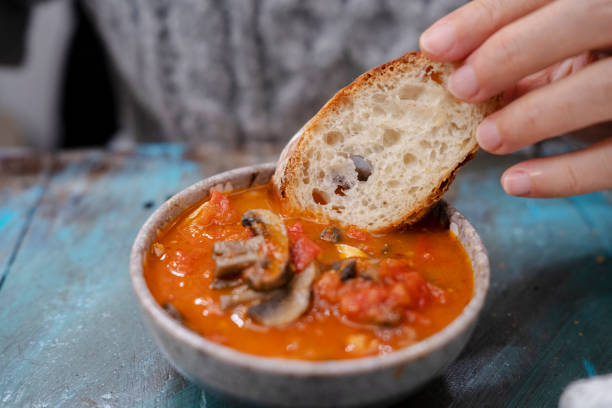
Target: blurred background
x,y
55,89
116,72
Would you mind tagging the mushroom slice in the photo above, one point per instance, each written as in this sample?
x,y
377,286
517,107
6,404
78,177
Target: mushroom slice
x,y
232,257
289,304
243,294
272,270
219,284
350,268
331,234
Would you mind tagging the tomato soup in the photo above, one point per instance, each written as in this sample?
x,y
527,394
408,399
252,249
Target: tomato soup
x,y
238,271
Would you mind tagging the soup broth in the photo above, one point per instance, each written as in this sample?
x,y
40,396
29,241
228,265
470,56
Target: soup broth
x,y
371,293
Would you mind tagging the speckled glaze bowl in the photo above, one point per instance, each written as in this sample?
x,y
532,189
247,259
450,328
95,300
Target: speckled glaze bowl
x,y
294,383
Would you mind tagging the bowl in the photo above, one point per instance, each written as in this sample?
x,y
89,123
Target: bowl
x,y
295,383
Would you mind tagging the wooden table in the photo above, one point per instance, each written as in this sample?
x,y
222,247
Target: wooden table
x,y
71,335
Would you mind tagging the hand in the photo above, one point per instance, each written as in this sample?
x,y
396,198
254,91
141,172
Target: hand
x,y
546,55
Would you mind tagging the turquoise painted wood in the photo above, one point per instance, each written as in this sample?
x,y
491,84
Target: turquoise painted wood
x,y
70,332
21,186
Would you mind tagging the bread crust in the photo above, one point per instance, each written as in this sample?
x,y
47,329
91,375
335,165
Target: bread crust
x,y
290,159
278,178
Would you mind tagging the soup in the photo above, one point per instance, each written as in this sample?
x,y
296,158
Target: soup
x,y
241,272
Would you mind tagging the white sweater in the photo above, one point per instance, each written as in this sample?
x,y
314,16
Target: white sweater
x,y
242,71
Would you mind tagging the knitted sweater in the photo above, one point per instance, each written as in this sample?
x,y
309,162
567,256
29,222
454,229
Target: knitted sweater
x,y
247,71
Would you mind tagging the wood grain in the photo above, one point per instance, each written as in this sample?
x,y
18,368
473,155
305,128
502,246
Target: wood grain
x,y
70,332
23,181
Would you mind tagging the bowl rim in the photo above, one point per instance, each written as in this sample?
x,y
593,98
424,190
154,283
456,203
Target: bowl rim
x,y
277,365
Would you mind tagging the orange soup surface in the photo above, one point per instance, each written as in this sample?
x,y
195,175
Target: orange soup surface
x,y
372,293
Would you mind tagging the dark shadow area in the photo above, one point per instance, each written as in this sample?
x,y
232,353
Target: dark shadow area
x,y
14,18
531,340
88,112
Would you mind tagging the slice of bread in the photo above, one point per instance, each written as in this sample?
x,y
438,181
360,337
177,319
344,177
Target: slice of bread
x,y
399,120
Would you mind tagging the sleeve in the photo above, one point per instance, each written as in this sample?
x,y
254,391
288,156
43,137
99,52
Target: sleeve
x,y
14,18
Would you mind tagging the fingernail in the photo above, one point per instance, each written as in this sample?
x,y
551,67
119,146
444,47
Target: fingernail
x,y
517,183
488,136
462,83
439,39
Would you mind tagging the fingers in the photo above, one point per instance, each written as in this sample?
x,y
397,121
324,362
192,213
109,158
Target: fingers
x,y
549,34
574,102
548,75
580,172
456,35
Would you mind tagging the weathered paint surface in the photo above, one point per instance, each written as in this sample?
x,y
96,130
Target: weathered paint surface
x,y
70,332
22,182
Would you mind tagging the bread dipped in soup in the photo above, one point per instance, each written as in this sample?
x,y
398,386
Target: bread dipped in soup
x,y
328,261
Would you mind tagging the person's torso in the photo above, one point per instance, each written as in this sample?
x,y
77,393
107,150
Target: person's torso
x,y
237,70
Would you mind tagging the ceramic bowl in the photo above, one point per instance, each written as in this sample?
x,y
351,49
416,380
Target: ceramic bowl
x,y
282,382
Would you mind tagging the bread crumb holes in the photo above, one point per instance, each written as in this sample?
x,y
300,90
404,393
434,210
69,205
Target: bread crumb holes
x,y
320,197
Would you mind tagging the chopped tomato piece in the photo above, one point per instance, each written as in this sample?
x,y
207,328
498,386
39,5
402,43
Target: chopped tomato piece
x,y
390,268
356,233
399,271
367,302
381,302
327,286
417,318
303,250
218,210
295,231
225,212
437,293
